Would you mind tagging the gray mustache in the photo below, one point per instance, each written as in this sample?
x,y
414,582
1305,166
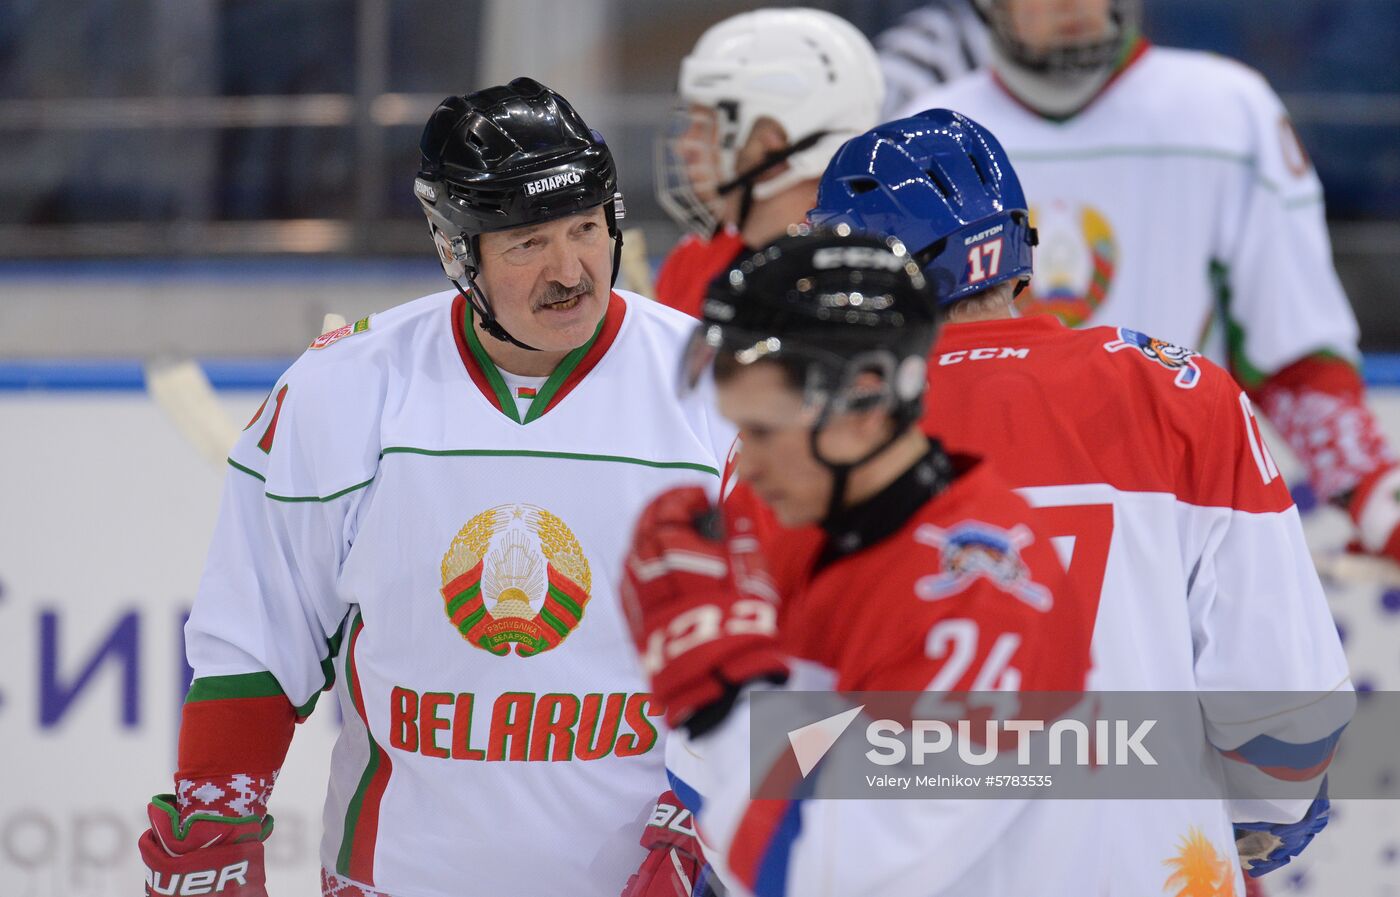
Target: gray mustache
x,y
557,292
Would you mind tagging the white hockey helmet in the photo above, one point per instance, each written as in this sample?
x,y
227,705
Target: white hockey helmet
x,y
809,70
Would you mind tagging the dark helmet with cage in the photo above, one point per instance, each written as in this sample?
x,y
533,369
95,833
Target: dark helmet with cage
x,y
830,308
943,186
505,157
1059,39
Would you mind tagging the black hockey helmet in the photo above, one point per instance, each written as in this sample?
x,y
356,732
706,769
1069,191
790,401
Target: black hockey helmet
x,y
829,306
505,157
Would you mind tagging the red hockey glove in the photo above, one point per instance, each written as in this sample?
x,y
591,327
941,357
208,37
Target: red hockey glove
x,y
674,860
702,610
204,854
1375,508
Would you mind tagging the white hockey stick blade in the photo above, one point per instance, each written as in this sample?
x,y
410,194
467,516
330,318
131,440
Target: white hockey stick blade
x,y
636,270
183,392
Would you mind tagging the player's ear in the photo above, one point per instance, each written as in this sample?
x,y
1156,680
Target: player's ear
x,y
770,135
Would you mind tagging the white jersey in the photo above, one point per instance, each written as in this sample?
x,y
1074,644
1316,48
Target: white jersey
x,y
1179,203
391,498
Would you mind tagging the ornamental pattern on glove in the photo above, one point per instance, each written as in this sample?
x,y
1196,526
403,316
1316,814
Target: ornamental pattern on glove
x,y
233,796
1337,441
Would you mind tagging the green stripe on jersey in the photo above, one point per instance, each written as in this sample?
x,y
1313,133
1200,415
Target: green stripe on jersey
x,y
298,498
243,685
565,456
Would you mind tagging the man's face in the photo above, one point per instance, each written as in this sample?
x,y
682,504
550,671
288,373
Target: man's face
x,y
776,459
698,148
1045,25
548,284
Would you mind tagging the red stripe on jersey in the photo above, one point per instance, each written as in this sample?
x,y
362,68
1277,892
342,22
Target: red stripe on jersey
x,y
602,341
756,832
459,336
1284,773
235,734
362,823
612,323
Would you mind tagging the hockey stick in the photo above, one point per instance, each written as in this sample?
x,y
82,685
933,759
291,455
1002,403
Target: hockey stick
x,y
636,270
181,390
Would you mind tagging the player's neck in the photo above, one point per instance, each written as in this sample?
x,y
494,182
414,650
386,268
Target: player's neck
x,y
770,218
995,304
873,476
999,312
515,360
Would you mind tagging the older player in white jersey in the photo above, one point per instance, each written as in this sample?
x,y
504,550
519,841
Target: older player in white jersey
x,y
1173,196
428,514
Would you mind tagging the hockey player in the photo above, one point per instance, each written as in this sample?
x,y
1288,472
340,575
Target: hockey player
x,y
827,406
1172,195
769,95
425,515
1147,460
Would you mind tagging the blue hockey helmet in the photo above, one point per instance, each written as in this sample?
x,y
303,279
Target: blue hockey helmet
x,y
942,185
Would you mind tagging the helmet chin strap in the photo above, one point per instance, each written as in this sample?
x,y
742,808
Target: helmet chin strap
x,y
747,179
477,300
841,473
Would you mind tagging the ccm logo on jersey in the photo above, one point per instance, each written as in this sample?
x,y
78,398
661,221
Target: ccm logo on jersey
x,y
553,182
208,881
983,354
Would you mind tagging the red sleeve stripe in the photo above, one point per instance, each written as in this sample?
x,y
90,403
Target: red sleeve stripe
x,y
361,834
219,736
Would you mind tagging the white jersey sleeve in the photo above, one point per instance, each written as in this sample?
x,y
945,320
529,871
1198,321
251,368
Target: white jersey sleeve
x,y
1281,297
931,45
268,600
1273,680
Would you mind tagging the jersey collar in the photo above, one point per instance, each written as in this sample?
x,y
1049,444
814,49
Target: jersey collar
x,y
570,372
885,513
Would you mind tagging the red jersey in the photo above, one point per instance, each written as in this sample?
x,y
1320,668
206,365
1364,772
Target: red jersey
x,y
1147,469
969,554
959,593
690,267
